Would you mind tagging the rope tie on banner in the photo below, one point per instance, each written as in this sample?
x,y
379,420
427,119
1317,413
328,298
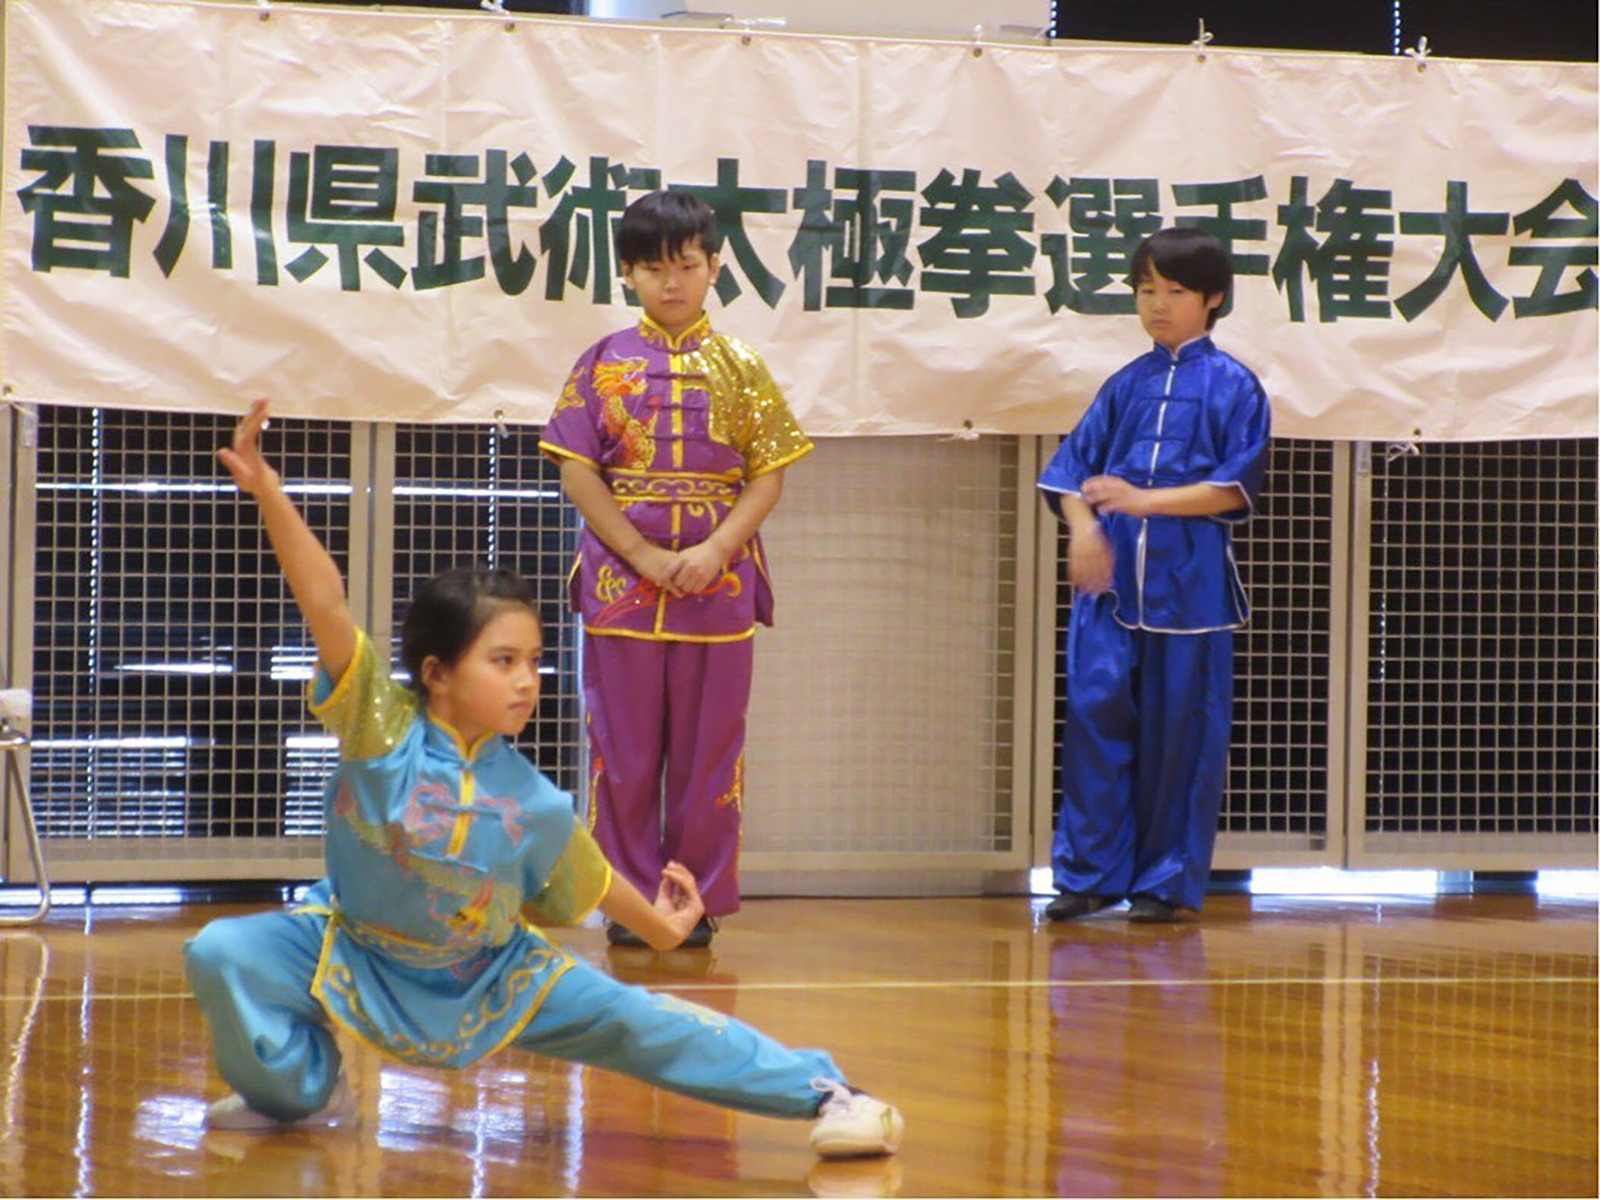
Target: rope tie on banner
x,y
1201,40
748,25
1398,450
1419,53
965,434
500,427
264,9
977,41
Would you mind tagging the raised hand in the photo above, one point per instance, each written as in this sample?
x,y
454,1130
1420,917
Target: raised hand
x,y
244,460
312,575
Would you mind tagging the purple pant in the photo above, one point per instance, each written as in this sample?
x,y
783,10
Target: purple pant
x,y
666,750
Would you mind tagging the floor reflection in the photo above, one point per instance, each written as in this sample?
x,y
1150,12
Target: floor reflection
x,y
1275,1047
1141,1075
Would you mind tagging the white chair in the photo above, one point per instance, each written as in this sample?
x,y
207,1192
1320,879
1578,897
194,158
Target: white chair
x,y
16,705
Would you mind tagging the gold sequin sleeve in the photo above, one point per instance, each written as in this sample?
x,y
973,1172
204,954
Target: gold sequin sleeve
x,y
749,406
365,709
577,883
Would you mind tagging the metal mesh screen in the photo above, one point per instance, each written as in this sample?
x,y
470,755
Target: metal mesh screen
x,y
1482,646
168,662
468,494
168,658
1278,764
882,718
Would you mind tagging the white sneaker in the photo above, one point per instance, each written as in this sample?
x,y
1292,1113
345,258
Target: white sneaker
x,y
851,1124
231,1112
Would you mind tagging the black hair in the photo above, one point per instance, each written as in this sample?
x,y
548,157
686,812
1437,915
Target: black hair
x,y
658,226
1191,257
449,612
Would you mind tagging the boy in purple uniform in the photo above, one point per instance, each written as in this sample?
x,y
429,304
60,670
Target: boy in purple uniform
x,y
672,440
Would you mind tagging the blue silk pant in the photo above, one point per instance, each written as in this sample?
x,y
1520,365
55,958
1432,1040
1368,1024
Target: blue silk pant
x,y
1144,757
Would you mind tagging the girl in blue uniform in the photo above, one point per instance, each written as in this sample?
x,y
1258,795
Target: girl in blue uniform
x,y
446,849
1169,456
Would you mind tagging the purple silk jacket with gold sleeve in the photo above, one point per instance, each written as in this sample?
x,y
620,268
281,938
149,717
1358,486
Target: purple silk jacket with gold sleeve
x,y
676,427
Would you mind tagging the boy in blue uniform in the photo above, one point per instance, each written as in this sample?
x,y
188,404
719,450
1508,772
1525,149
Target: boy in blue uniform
x,y
1169,456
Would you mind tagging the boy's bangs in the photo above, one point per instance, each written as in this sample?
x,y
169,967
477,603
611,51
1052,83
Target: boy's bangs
x,y
1190,257
660,226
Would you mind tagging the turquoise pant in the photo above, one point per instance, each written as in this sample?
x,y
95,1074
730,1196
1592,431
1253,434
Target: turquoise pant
x,y
252,977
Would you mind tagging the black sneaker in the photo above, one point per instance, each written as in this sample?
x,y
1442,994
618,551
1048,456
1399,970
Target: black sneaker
x,y
621,935
700,936
1149,910
1070,905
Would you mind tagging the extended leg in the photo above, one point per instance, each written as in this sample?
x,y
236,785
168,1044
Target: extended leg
x,y
589,1017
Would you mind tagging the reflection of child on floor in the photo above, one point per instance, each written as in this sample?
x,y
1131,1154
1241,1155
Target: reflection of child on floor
x,y
1160,1040
444,845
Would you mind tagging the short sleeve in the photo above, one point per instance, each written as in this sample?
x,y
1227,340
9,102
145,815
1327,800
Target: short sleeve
x,y
1246,433
770,438
573,430
1083,452
576,884
364,708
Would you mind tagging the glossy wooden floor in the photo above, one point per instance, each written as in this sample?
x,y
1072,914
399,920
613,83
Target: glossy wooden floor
x,y
1278,1047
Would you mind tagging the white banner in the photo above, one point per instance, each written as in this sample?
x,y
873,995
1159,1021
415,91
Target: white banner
x,y
407,217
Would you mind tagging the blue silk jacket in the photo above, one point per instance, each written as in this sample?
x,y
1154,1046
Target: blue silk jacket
x,y
1168,420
